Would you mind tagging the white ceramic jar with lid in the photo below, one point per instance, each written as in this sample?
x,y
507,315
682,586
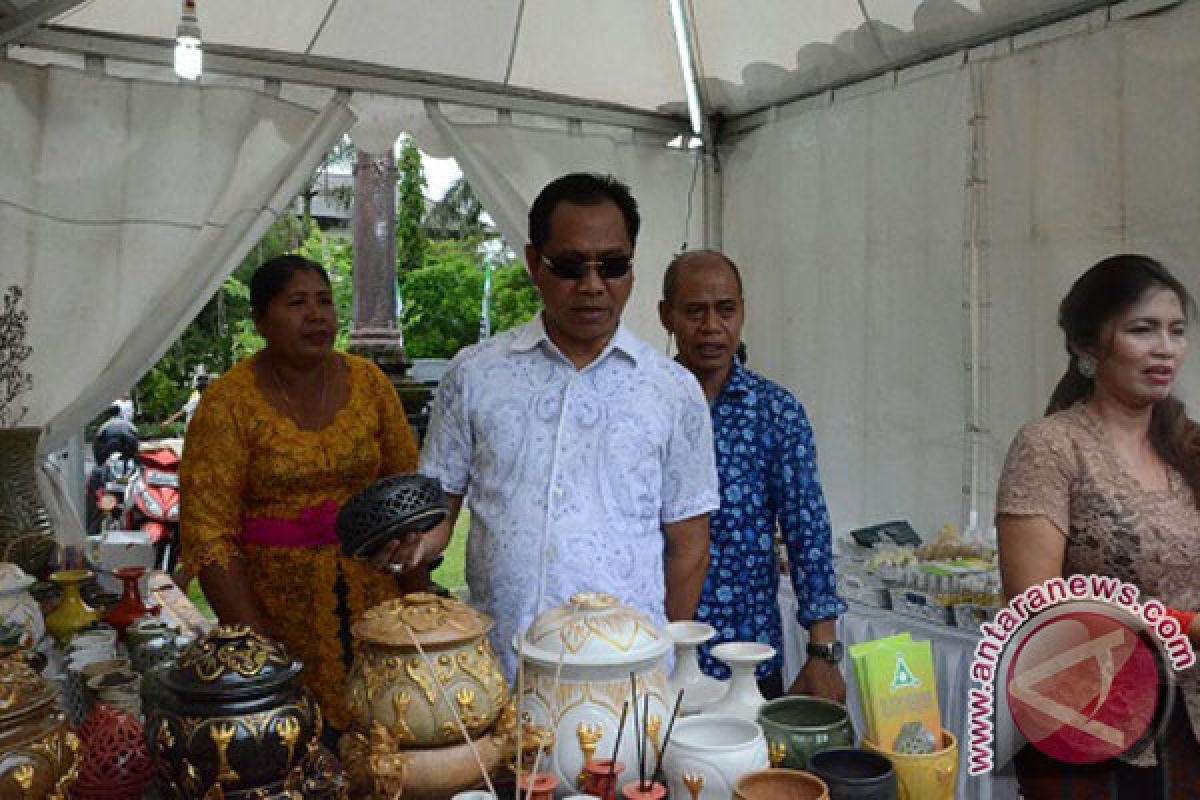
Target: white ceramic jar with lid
x,y
599,643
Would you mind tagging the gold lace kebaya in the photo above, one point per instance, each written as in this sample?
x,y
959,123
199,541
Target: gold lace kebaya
x,y
245,460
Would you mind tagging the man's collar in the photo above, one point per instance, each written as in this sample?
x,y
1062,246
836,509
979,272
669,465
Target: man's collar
x,y
533,334
739,381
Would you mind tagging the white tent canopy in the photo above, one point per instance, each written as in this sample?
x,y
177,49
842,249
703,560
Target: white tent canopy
x,y
908,186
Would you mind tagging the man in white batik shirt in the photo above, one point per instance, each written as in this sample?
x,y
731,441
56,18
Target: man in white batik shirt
x,y
586,457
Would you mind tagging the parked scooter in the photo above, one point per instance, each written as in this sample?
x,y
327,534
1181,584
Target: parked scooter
x,y
115,449
152,503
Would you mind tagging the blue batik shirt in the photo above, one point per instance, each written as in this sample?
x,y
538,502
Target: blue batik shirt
x,y
767,464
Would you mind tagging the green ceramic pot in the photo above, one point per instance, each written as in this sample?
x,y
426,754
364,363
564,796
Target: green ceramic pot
x,y
798,726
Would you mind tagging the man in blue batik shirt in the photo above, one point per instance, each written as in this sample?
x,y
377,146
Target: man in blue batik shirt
x,y
767,465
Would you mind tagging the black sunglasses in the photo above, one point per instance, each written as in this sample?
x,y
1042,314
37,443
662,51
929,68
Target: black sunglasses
x,y
572,268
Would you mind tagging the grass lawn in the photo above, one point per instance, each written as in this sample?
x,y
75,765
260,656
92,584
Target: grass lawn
x,y
451,574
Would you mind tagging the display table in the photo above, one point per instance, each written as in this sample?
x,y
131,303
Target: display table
x,y
953,650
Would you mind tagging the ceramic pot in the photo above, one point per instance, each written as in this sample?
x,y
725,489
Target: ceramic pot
x,y
26,538
18,607
743,698
130,607
116,764
700,691
233,714
390,683
924,776
72,614
538,786
798,726
650,791
709,752
601,777
599,642
853,774
39,755
780,784
376,767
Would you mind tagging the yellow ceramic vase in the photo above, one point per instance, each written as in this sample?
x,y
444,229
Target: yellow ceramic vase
x,y
72,614
926,776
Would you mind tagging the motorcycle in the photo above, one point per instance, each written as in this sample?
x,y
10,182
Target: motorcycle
x,y
114,450
152,503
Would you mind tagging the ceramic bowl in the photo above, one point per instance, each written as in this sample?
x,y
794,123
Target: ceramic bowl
x,y
798,726
780,784
854,774
710,752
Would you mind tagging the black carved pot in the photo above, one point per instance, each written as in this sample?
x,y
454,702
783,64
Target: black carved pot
x,y
232,713
387,509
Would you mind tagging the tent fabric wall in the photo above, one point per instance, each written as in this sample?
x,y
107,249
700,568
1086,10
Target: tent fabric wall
x,y
508,159
123,206
847,225
849,222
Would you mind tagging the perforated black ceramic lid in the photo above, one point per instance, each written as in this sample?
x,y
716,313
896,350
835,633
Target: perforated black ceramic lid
x,y
232,661
388,508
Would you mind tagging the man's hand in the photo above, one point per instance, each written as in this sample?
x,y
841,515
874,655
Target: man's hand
x,y
400,555
820,678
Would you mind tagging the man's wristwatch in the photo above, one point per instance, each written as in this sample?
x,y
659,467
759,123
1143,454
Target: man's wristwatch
x,y
826,651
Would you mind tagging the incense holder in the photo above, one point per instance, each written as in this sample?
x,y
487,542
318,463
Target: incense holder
x,y
416,697
599,643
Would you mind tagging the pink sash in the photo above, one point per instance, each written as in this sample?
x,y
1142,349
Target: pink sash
x,y
314,527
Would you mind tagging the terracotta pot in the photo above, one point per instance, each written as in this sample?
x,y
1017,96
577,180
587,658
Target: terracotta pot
x,y
780,784
538,786
390,683
435,773
601,777
798,726
130,607
39,756
116,764
71,615
599,643
651,791
18,607
233,714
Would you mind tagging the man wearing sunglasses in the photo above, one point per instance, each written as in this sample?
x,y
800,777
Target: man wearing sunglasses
x,y
584,454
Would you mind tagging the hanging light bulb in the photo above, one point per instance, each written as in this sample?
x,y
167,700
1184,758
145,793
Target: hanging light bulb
x,y
189,57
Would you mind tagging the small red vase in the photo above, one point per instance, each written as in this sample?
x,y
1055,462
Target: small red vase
x,y
131,606
652,791
601,777
543,785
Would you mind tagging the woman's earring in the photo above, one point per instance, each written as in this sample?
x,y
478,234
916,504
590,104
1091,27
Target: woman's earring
x,y
1087,366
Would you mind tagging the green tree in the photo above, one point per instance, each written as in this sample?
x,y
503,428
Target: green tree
x,y
411,244
458,215
442,301
515,300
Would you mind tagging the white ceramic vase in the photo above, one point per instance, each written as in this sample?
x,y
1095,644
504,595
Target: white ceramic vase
x,y
709,752
743,698
700,691
18,606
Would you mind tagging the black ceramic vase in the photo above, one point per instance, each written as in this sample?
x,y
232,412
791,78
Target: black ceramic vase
x,y
234,716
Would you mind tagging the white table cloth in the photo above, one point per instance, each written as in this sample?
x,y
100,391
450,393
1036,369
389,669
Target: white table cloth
x,y
953,649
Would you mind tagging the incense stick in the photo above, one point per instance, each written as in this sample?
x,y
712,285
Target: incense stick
x,y
442,689
612,763
645,741
637,733
667,737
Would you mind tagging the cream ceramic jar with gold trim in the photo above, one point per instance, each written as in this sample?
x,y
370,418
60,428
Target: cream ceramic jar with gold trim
x,y
599,643
390,683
